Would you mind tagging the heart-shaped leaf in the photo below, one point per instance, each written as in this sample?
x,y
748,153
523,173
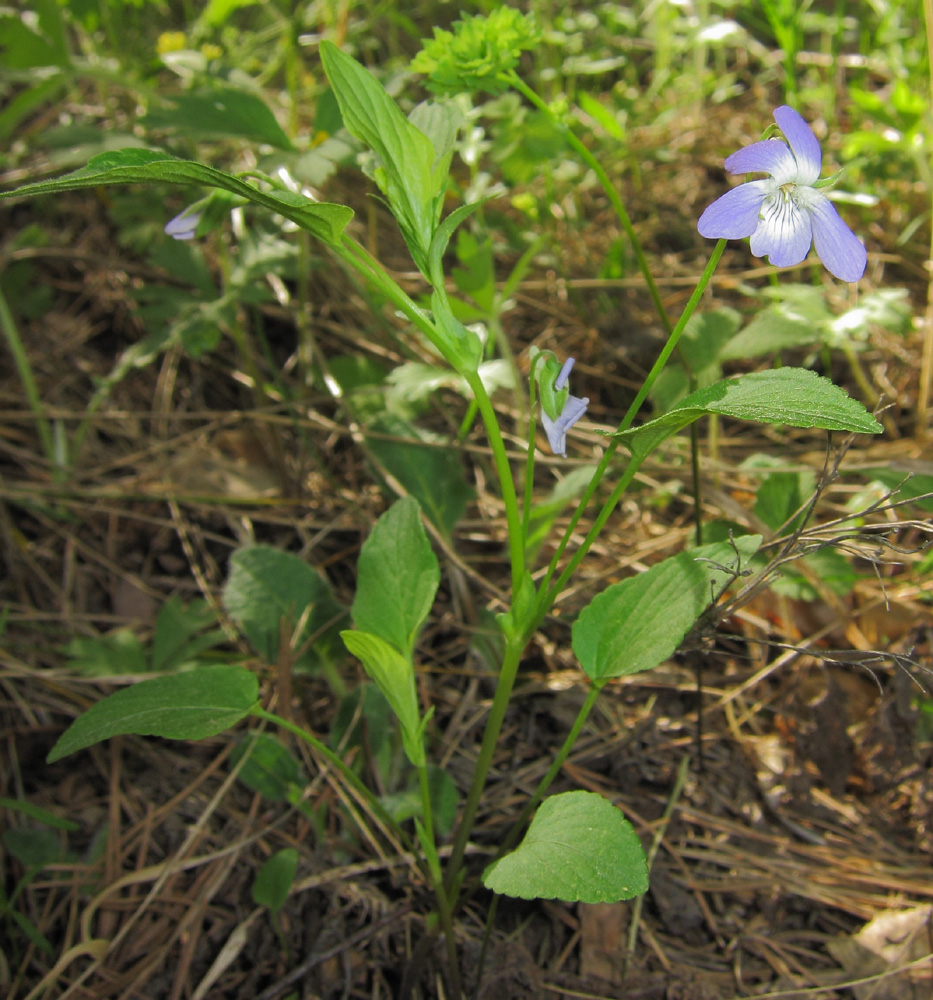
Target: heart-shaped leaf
x,y
579,848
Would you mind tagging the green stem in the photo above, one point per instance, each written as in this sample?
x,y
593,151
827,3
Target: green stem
x,y
510,661
667,350
584,153
357,257
558,762
26,377
548,593
506,482
335,761
530,453
429,844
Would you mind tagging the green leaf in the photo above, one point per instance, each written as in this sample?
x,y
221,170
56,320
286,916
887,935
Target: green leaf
x,y
636,624
221,111
406,804
35,936
397,577
798,317
135,166
267,587
792,396
913,487
781,497
477,277
32,847
395,676
479,53
440,121
430,471
34,37
176,642
830,568
579,848
179,707
217,11
274,880
38,813
119,652
270,769
407,154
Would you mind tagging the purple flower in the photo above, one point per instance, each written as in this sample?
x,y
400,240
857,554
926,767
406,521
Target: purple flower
x,y
786,212
184,225
574,407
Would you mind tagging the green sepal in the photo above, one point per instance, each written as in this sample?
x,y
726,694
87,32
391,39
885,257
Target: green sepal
x,y
553,400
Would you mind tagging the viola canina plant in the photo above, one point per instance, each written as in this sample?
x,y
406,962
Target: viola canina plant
x,y
578,845
788,211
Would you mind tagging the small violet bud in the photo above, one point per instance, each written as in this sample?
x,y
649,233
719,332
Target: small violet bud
x,y
572,411
183,226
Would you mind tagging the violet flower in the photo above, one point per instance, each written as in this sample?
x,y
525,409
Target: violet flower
x,y
784,213
184,225
574,407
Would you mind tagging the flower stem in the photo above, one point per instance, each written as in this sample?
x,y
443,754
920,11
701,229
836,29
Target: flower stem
x,y
506,482
590,160
550,593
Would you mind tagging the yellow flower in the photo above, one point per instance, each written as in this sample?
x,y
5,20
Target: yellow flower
x,y
170,41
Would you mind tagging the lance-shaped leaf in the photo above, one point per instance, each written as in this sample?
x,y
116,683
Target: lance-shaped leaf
x,y
187,706
636,624
397,577
394,674
134,166
579,848
406,175
793,396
